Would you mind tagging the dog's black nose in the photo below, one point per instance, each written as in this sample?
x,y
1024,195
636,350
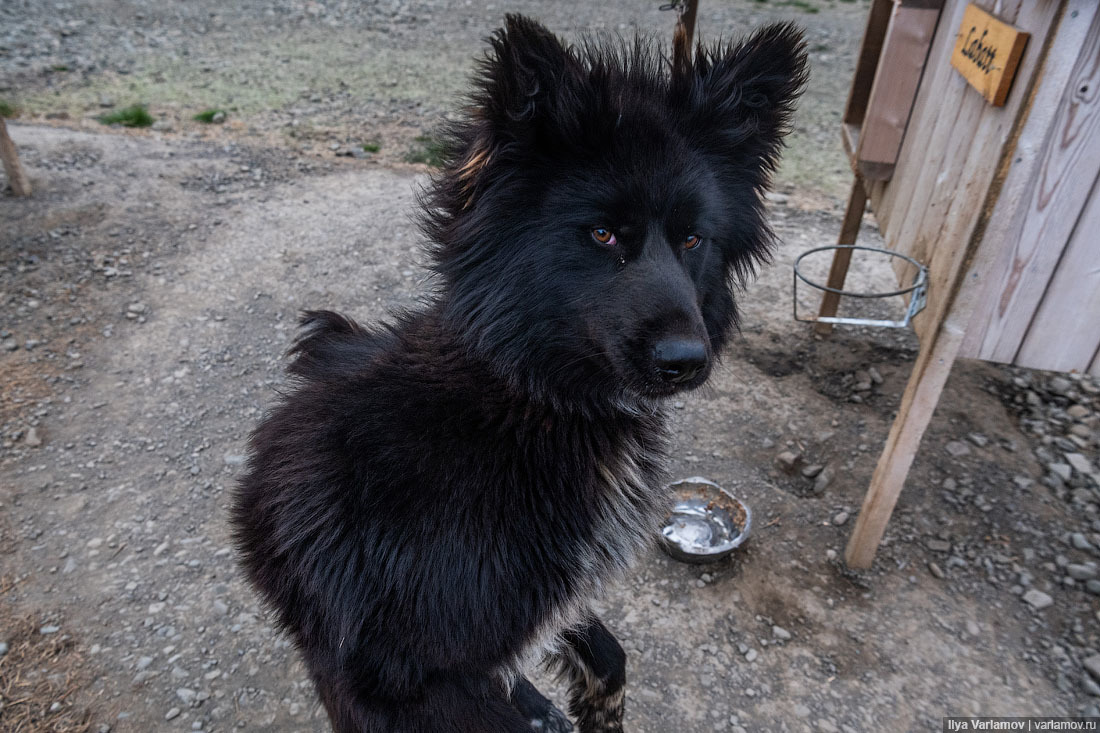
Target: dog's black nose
x,y
679,359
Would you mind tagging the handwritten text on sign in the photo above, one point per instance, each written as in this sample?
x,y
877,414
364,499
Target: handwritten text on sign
x,y
987,52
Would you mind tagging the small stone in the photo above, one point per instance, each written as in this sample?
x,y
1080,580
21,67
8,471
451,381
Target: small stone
x,y
823,480
972,628
1060,385
788,460
218,117
938,545
957,448
874,374
1092,665
1082,496
186,695
780,633
935,570
1077,412
812,471
1061,470
777,198
1079,542
32,438
830,555
1093,587
1078,571
1079,463
144,662
9,345
1090,687
751,655
840,518
978,439
1038,599
49,629
3,648
220,608
172,713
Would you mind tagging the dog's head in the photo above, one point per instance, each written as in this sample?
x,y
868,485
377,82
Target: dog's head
x,y
600,203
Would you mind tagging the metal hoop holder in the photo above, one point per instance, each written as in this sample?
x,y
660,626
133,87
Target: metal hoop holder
x,y
919,291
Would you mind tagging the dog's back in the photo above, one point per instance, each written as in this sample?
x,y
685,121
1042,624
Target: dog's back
x,y
435,503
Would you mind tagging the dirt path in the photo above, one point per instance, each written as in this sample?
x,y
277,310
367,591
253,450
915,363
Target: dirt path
x,y
149,288
117,525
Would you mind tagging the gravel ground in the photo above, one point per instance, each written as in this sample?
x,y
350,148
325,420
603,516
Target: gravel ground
x,y
149,288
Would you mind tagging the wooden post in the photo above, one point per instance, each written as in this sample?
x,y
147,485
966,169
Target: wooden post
x,y
917,405
684,34
16,176
849,231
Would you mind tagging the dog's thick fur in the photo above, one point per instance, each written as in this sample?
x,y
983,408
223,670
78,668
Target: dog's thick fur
x,y
437,501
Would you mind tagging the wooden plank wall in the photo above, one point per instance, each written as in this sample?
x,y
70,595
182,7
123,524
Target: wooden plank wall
x,y
1041,305
953,153
890,101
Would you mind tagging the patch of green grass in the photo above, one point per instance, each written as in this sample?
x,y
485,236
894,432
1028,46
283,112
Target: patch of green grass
x,y
7,109
371,147
427,150
133,116
59,67
207,115
802,5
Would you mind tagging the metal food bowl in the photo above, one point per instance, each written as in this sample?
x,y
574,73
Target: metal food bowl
x,y
706,524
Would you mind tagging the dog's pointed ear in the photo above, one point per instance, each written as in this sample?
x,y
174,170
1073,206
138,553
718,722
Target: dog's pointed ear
x,y
743,95
525,74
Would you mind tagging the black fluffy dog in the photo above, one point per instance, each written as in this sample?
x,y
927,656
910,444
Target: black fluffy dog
x,y
437,501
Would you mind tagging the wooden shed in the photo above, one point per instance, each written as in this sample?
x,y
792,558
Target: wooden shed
x,y
973,129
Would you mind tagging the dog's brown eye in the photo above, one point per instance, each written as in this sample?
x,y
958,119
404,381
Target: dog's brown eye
x,y
692,241
603,236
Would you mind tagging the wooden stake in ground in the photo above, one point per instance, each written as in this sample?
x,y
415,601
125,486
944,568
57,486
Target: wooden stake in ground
x,y
849,232
684,34
16,176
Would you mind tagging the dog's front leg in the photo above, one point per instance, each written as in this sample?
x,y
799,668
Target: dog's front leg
x,y
595,666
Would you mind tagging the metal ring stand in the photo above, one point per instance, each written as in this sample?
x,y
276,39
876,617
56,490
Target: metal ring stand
x,y
919,290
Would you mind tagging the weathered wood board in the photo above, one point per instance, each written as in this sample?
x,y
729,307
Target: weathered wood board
x,y
891,99
1042,208
987,52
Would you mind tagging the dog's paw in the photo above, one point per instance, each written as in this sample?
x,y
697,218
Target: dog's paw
x,y
542,713
552,721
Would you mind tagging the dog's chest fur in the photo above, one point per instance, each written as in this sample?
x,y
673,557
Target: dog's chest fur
x,y
627,502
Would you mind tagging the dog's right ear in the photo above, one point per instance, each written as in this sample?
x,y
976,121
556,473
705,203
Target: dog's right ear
x,y
742,96
526,78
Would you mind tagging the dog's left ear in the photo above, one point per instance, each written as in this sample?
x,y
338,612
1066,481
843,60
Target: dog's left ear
x,y
742,96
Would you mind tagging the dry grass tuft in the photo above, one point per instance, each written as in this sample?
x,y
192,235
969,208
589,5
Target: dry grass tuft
x,y
40,677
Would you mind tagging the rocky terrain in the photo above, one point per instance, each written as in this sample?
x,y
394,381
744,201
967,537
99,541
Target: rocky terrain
x,y
150,286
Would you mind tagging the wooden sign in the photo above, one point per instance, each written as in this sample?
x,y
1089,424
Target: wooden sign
x,y
987,51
